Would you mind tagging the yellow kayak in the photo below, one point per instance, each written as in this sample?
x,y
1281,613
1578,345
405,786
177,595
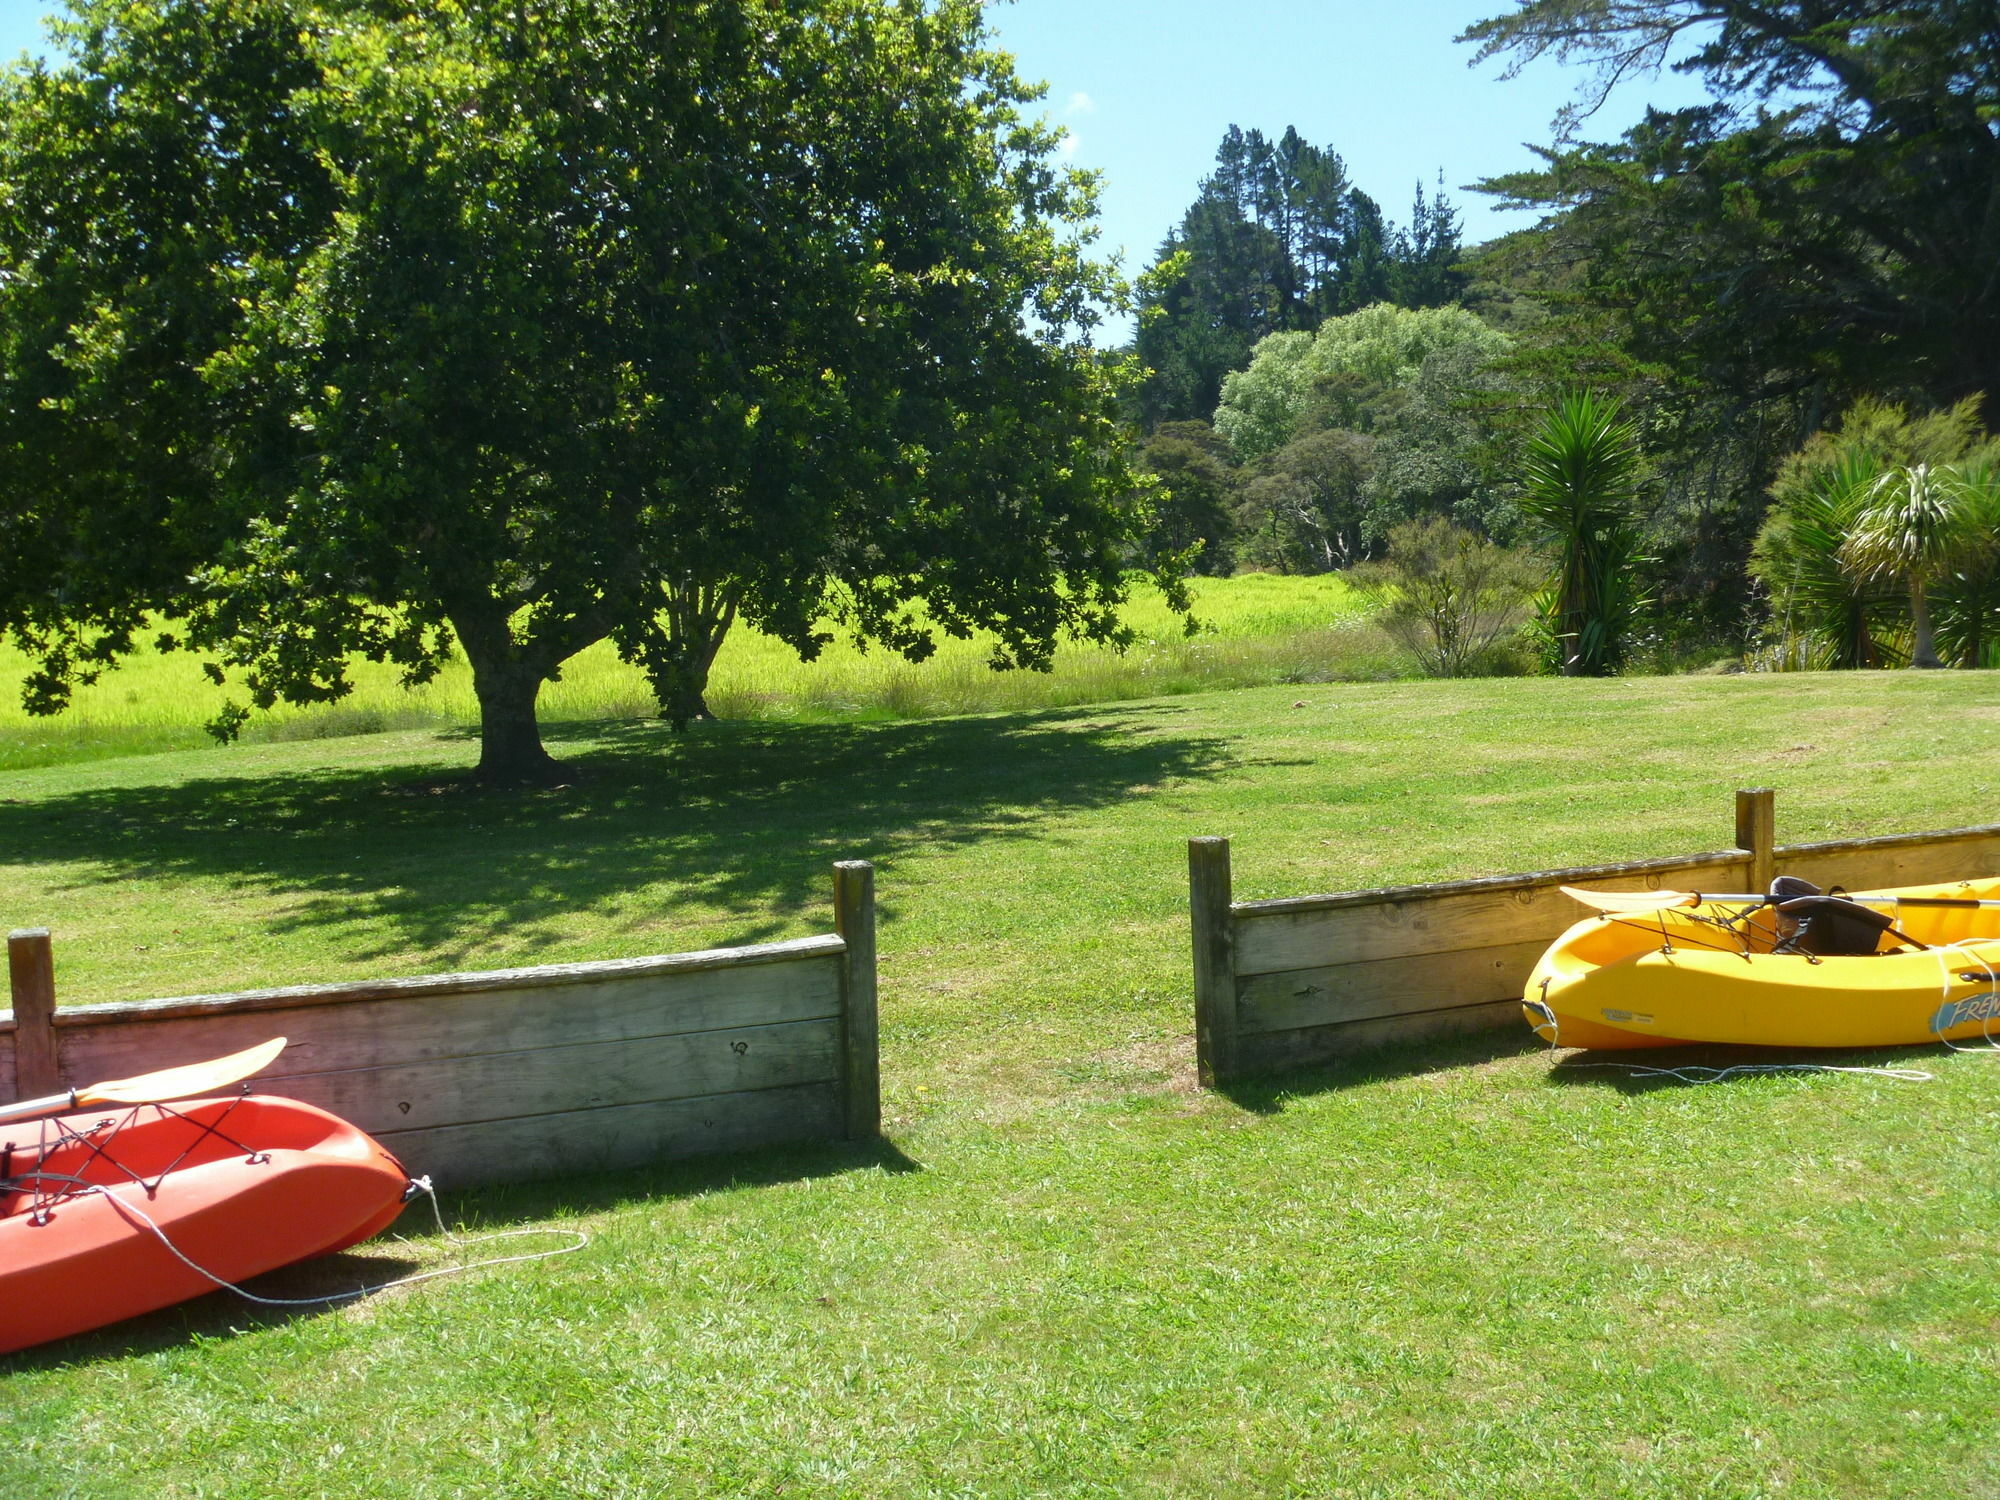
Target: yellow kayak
x,y
1728,969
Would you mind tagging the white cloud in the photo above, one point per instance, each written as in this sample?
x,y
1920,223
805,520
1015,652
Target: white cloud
x,y
1080,104
1069,146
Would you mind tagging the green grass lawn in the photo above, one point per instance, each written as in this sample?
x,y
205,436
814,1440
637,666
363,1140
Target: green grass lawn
x,y
1437,1272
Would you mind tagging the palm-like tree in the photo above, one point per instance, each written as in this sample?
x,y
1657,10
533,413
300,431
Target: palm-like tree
x,y
1841,617
1967,603
1580,474
1915,529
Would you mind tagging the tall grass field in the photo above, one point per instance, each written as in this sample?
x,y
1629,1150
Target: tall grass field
x,y
1252,629
1450,1271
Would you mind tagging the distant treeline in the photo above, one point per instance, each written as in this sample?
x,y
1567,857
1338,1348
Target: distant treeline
x,y
1768,271
1278,240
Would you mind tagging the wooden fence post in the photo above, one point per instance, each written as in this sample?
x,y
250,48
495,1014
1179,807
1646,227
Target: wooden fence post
x,y
31,970
1214,961
860,1031
1757,831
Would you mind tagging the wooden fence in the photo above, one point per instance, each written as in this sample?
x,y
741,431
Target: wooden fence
x,y
1282,984
519,1073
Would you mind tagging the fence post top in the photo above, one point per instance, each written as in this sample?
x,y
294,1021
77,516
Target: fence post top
x,y
27,934
853,864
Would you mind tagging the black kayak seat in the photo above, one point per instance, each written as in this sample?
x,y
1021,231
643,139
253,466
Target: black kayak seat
x,y
1832,927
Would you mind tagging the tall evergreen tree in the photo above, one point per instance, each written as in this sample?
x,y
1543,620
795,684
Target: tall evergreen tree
x,y
1425,273
1278,239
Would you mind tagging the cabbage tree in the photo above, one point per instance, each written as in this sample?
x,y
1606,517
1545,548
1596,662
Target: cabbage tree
x,y
1967,603
1579,481
1844,621
1915,529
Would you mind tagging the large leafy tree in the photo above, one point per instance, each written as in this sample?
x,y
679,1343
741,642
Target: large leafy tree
x,y
1295,381
1827,226
1743,270
534,327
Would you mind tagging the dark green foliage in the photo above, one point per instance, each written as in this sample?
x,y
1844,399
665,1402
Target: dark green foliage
x,y
1841,592
1966,602
1826,617
1306,507
1192,511
1917,529
1743,270
1278,239
609,319
1580,472
1425,271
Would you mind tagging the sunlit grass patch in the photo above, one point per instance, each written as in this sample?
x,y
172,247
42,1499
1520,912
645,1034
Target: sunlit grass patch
x,y
1255,629
1442,1271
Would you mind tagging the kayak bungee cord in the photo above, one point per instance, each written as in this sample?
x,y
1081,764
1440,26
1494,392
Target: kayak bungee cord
x,y
84,1188
46,1191
97,1138
1693,1073
1992,1007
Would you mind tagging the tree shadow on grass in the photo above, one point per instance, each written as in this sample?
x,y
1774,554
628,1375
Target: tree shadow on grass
x,y
1269,1094
1643,1070
223,1314
739,821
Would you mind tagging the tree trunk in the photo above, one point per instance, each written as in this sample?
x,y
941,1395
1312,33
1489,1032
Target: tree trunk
x,y
1923,651
698,620
507,681
510,737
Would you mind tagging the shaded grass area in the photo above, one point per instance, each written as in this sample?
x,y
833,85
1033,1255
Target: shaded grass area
x,y
1443,1271
1257,628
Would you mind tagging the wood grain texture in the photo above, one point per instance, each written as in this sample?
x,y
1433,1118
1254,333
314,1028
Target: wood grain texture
x,y
8,1090
1278,1051
1214,928
1304,998
1757,834
861,1069
551,1080
631,1135
31,976
418,1027
1363,927
1901,859
549,976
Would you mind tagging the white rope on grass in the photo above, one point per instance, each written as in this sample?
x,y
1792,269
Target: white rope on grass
x,y
1692,1073
418,1185
1695,1073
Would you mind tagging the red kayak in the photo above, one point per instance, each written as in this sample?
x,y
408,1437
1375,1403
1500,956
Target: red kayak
x,y
107,1214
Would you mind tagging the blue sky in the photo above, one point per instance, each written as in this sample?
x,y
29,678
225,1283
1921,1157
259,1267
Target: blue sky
x,y
1146,88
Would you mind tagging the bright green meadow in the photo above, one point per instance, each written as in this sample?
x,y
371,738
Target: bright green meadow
x,y
1252,629
1447,1271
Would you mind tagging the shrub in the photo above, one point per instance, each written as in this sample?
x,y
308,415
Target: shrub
x,y
1448,595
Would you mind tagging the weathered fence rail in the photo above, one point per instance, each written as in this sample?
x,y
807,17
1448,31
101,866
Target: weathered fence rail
x,y
1283,984
520,1073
